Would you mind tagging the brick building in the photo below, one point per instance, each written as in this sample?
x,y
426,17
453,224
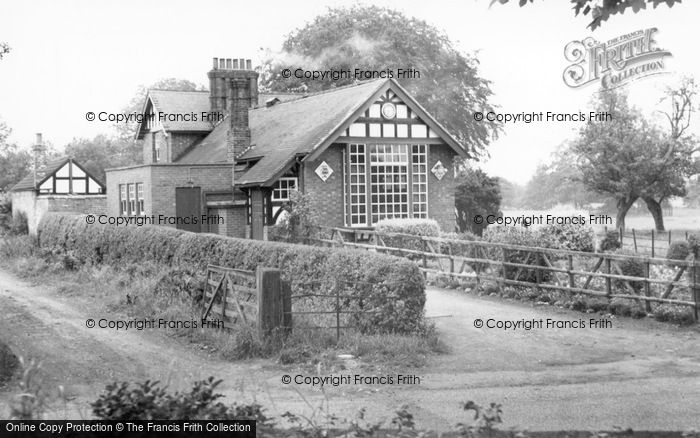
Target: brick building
x,y
364,152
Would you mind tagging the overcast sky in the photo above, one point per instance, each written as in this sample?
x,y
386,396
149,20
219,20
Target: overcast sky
x,y
71,57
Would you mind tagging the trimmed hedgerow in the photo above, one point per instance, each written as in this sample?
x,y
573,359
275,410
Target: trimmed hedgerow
x,y
414,227
391,288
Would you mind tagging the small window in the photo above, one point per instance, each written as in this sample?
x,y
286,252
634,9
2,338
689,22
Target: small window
x,y
132,199
140,199
282,190
123,210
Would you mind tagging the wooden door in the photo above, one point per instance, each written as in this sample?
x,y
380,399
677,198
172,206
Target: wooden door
x,y
188,204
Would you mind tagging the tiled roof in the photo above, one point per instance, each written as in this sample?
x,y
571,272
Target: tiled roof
x,y
27,183
281,132
182,102
197,102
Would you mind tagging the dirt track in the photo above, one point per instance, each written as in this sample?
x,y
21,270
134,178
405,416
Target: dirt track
x,y
639,374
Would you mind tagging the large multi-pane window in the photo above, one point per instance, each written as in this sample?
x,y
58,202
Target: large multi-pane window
x,y
419,179
388,181
358,188
394,176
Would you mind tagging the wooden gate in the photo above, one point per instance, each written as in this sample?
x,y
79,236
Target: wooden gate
x,y
230,296
260,299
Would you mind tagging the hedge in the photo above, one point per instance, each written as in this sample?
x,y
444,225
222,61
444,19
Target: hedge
x,y
392,288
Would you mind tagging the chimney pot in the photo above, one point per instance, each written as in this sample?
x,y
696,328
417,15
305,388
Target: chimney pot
x,y
216,63
38,139
222,63
228,63
235,64
248,64
242,63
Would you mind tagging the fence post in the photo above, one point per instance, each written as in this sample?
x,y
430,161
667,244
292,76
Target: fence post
x,y
608,280
270,302
694,287
570,269
634,238
337,310
647,286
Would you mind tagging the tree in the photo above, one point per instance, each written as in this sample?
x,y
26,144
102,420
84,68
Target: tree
x,y
628,158
371,38
98,154
679,148
476,194
14,162
558,182
4,49
602,10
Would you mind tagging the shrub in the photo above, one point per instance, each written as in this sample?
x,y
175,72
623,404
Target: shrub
x,y
301,219
150,401
390,288
414,227
610,242
520,237
681,249
19,224
632,267
570,237
8,363
678,314
678,250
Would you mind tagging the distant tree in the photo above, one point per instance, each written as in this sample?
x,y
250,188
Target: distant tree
x,y
4,49
14,162
373,38
476,193
626,157
135,105
558,182
511,193
602,10
98,153
692,198
677,150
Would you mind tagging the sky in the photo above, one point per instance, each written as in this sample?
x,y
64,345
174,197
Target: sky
x,y
75,56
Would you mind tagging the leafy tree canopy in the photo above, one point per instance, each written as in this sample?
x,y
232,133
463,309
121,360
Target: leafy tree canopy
x,y
600,11
628,158
372,38
476,193
14,162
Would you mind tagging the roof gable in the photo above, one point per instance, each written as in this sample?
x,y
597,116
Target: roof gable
x,y
304,127
179,104
58,167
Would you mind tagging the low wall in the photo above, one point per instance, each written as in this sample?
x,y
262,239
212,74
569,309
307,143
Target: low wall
x,y
36,206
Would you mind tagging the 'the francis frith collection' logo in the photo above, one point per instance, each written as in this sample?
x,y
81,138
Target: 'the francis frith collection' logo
x,y
616,62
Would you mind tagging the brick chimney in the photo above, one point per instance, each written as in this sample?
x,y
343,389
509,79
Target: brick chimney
x,y
233,88
223,70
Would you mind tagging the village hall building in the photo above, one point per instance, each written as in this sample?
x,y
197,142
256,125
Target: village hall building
x,y
363,152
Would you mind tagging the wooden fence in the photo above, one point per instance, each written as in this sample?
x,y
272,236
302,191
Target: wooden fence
x,y
596,274
651,242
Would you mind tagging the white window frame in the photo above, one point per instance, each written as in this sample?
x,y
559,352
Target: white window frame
x,y
283,188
